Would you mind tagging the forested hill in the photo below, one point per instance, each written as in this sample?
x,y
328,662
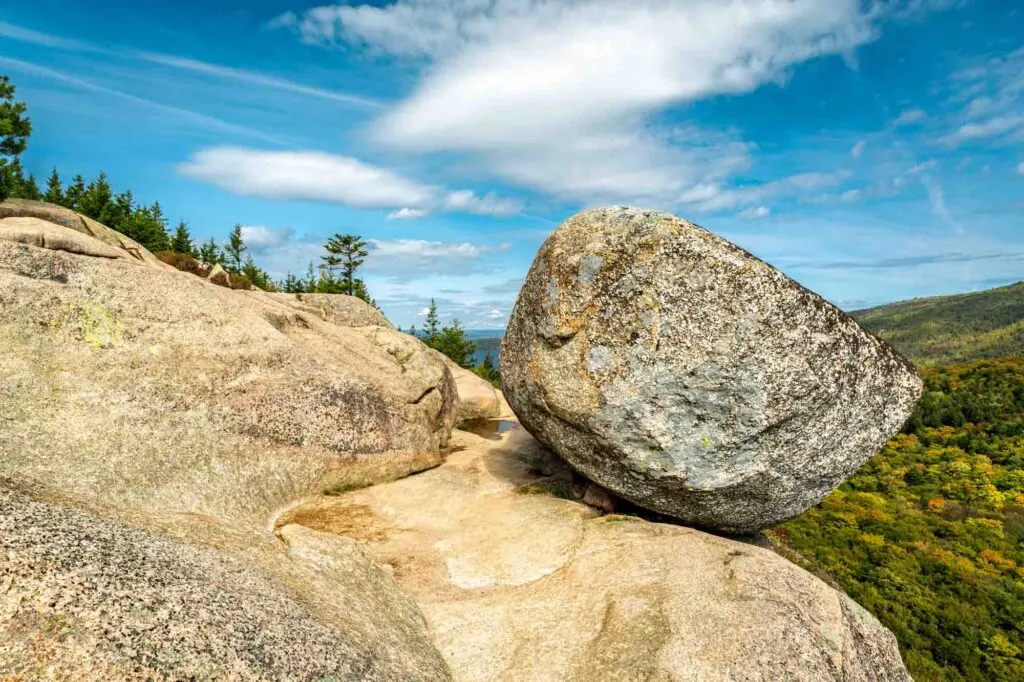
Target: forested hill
x,y
960,328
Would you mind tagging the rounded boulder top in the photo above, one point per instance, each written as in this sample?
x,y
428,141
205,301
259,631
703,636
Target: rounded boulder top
x,y
691,378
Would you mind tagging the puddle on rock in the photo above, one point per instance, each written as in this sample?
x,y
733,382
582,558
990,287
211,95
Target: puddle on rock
x,y
490,429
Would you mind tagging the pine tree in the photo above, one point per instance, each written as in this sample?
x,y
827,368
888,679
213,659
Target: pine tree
x,y
487,371
75,192
235,248
182,241
54,189
347,252
210,253
96,198
257,275
433,324
15,129
453,342
292,285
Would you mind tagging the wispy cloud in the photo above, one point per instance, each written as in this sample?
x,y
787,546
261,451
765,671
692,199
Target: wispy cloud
x,y
906,262
909,117
581,130
184,115
755,213
27,35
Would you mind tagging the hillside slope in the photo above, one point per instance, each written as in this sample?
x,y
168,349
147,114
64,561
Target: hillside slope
x,y
960,328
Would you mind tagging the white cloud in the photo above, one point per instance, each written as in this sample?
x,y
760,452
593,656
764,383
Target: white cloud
x,y
406,259
858,149
922,167
407,214
259,237
992,96
718,199
909,117
317,176
993,127
1020,169
851,195
557,96
755,213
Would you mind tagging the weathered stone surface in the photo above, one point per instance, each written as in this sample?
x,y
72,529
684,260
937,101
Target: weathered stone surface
x,y
347,311
478,399
89,599
65,217
153,398
521,585
47,235
689,377
219,276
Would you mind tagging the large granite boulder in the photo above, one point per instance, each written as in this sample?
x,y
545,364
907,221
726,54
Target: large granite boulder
x,y
687,376
158,389
518,584
151,424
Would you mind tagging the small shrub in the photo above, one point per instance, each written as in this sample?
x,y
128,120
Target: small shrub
x,y
183,262
239,281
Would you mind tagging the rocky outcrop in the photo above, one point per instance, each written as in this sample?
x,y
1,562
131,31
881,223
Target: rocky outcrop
x,y
174,415
47,235
65,217
214,400
691,378
478,399
89,599
219,276
518,584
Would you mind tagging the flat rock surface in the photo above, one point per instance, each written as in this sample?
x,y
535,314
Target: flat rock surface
x,y
683,374
518,584
88,599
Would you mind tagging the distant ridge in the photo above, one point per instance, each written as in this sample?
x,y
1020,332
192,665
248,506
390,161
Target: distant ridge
x,y
958,328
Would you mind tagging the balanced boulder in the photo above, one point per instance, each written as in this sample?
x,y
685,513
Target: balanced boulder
x,y
687,376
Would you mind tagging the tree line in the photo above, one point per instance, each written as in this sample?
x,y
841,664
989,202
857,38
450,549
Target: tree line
x,y
451,340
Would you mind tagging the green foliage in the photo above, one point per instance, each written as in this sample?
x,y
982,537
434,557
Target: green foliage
x,y
235,248
985,324
256,275
54,189
211,254
182,241
453,342
929,534
487,371
15,129
433,324
347,252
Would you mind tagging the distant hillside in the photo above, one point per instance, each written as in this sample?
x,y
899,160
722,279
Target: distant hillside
x,y
985,324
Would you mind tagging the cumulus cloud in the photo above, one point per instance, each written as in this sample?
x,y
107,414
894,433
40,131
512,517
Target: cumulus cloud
x,y
317,176
909,117
259,237
559,96
755,213
405,259
407,214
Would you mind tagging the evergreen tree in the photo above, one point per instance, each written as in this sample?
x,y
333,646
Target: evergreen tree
x,y
75,192
347,252
182,241
97,198
311,281
487,371
359,291
433,324
292,285
211,254
257,275
54,189
15,129
453,342
147,228
19,186
235,249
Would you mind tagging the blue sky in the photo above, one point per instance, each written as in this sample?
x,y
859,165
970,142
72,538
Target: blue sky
x,y
873,150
